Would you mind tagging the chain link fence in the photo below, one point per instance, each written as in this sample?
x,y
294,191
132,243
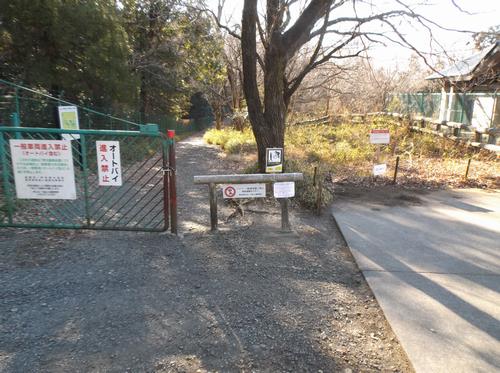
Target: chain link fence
x,y
24,107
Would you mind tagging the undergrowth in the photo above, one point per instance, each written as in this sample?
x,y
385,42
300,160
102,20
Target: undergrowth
x,y
343,149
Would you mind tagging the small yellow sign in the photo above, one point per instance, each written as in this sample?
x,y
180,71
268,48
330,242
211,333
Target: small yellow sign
x,y
68,120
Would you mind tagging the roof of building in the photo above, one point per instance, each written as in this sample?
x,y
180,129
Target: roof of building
x,y
463,70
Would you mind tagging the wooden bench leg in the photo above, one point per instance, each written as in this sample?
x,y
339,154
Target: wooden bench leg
x,y
213,206
285,220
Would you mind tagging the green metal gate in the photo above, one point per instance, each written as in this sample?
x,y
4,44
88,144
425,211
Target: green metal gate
x,y
145,200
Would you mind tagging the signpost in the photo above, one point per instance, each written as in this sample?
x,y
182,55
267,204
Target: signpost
x,y
244,190
109,166
379,137
248,186
43,169
274,160
68,120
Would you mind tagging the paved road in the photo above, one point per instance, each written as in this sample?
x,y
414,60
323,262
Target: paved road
x,y
433,262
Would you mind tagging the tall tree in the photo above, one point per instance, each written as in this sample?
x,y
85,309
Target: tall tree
x,y
78,47
175,53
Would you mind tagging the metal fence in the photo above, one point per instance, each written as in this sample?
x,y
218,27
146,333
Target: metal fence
x,y
24,107
465,106
139,203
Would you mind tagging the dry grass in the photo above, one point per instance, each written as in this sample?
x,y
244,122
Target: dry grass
x,y
344,153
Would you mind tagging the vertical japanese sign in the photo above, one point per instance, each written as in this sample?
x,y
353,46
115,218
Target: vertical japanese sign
x,y
68,120
274,160
43,169
108,163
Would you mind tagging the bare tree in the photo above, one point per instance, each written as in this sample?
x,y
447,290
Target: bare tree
x,y
331,34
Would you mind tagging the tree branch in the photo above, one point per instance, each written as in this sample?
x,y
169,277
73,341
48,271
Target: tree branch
x,y
299,33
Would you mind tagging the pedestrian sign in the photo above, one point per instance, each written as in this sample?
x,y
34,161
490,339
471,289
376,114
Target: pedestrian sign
x,y
274,160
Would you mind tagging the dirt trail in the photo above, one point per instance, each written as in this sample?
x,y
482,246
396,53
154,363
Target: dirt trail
x,y
246,299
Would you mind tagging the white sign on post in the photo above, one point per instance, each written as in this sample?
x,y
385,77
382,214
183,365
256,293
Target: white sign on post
x,y
284,189
109,166
68,120
43,169
379,136
244,190
379,169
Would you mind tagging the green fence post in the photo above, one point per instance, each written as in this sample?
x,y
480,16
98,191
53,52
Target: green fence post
x,y
18,108
5,177
83,148
15,122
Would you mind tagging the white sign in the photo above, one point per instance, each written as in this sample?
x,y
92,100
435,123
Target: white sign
x,y
68,120
43,169
379,169
274,160
379,137
244,190
284,189
109,166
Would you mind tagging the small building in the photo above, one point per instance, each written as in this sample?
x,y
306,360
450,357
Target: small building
x,y
470,92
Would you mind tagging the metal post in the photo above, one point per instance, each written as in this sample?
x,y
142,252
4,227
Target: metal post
x,y
213,206
18,108
15,123
85,170
319,196
166,194
396,170
172,187
467,170
5,177
285,221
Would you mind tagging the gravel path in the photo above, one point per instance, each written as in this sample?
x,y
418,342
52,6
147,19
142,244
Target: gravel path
x,y
245,299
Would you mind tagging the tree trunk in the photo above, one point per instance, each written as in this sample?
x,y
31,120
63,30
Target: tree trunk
x,y
274,103
250,86
269,126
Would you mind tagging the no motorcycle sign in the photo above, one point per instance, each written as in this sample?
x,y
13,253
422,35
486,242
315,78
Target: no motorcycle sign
x,y
244,190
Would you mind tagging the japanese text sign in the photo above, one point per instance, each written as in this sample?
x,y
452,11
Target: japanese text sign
x,y
284,189
108,163
274,160
379,169
43,169
244,190
379,137
68,120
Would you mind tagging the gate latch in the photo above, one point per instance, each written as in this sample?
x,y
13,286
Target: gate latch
x,y
167,170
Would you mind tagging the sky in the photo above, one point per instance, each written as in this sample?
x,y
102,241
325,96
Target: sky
x,y
484,13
